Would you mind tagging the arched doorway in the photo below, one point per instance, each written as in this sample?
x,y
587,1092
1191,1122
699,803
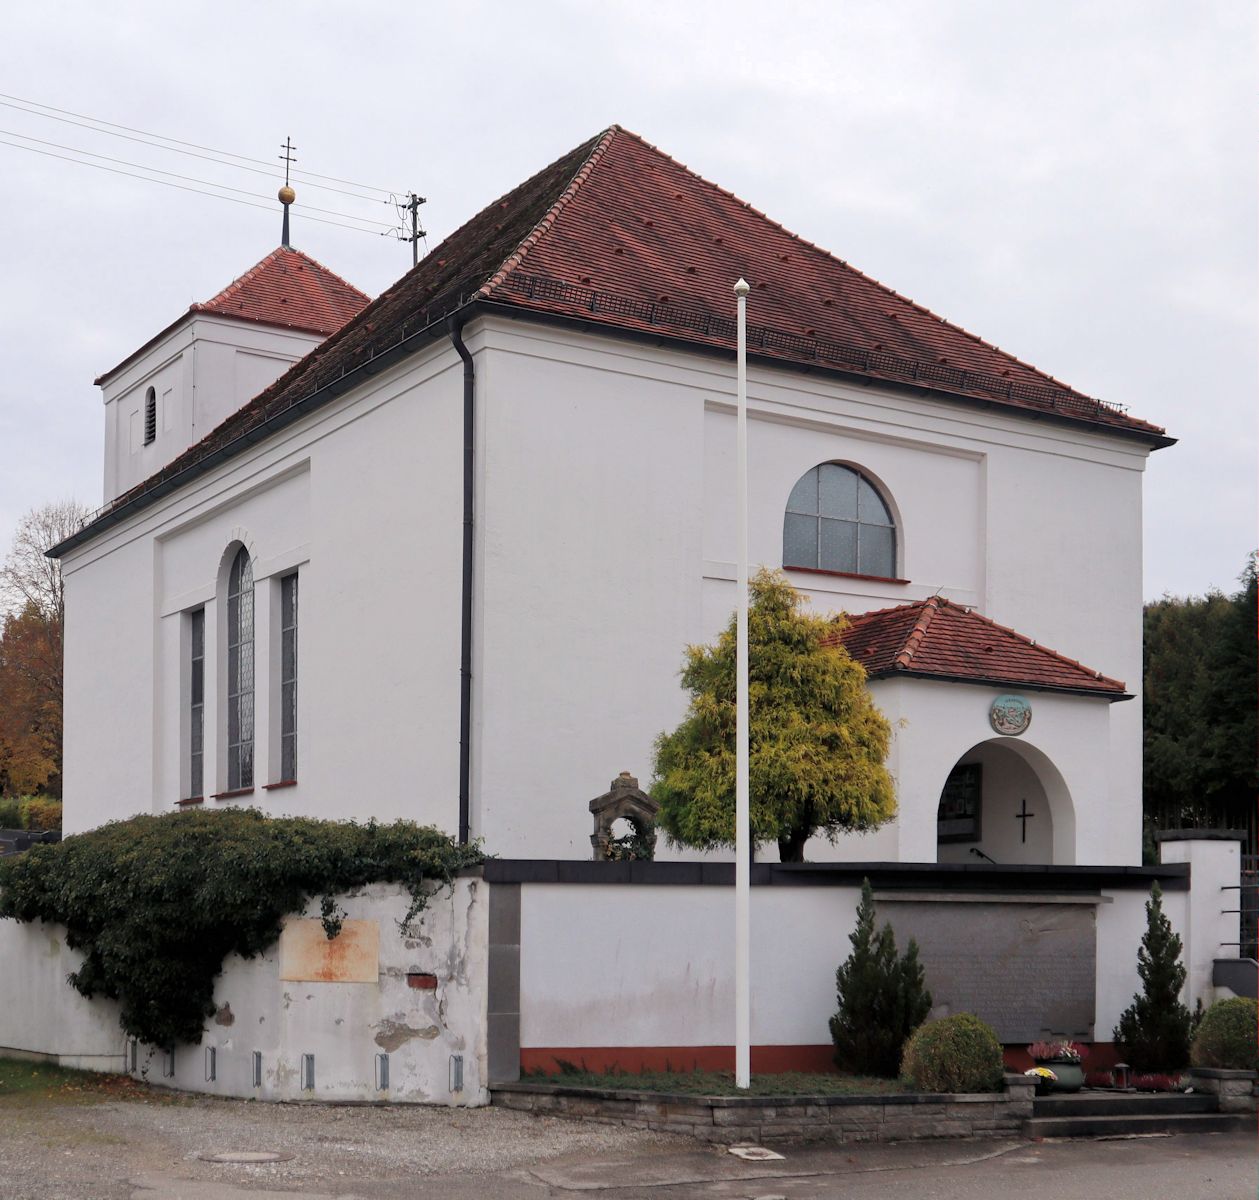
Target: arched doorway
x,y
1005,801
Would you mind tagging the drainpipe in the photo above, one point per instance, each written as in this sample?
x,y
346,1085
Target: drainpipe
x,y
455,328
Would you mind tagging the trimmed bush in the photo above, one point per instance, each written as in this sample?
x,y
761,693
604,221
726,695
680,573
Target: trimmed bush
x,y
882,997
1226,1038
955,1054
157,903
40,812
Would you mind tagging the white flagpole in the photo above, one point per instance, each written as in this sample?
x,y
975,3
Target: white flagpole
x,y
742,837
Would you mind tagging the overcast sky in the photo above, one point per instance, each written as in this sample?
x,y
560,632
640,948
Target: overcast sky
x,y
1074,180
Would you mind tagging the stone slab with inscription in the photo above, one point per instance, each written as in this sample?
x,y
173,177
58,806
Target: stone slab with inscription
x,y
1029,969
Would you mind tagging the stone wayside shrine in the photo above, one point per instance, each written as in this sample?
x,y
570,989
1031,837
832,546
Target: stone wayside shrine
x,y
624,801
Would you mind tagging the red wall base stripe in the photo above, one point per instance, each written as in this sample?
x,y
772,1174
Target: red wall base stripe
x,y
766,1060
633,1060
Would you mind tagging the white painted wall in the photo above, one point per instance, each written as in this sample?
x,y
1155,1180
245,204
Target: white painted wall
x,y
654,966
41,1015
364,499
605,527
604,544
202,369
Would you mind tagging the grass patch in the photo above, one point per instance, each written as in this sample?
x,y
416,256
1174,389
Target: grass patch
x,y
720,1083
25,1083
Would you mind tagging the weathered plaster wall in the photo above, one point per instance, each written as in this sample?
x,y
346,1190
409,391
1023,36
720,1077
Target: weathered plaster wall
x,y
284,1005
345,1002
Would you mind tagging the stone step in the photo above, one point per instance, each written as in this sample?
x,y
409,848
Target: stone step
x,y
1060,1127
1117,1104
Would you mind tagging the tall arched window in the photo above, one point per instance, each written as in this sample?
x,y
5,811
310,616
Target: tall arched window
x,y
837,521
240,673
150,416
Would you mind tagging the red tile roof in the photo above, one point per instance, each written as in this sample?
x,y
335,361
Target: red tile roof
x,y
939,639
289,288
618,235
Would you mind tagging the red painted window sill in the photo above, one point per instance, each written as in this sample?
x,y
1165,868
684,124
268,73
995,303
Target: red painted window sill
x,y
233,794
280,783
190,800
846,574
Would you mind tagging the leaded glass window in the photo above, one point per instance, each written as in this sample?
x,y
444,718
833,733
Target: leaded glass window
x,y
837,521
288,677
240,673
196,703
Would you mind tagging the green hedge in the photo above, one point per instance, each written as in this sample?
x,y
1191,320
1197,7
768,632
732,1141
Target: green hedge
x,y
954,1054
156,903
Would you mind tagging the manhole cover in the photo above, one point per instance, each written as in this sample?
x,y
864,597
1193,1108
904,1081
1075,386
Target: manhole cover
x,y
246,1156
754,1153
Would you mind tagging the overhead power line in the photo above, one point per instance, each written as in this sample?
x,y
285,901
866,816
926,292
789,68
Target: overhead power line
x,y
269,207
159,141
187,178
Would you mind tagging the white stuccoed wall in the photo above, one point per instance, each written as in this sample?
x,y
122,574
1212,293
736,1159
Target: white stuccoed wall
x,y
41,1015
202,369
653,966
604,544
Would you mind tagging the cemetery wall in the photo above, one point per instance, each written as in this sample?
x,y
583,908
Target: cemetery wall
x,y
318,1014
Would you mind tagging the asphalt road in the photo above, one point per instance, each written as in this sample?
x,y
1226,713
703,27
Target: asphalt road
x,y
138,1150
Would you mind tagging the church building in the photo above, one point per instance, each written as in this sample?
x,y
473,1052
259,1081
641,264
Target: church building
x,y
437,556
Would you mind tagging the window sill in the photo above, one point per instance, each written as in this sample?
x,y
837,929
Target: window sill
x,y
190,800
847,575
249,791
281,783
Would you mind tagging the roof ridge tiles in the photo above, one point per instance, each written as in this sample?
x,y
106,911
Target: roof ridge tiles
x,y
904,659
548,219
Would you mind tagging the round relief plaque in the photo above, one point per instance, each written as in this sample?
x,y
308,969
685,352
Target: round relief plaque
x,y
1010,715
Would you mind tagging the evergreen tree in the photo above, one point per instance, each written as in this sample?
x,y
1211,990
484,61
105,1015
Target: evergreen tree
x,y
1156,1029
882,997
817,741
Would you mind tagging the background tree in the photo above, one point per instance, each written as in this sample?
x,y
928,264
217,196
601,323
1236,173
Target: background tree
x,y
1156,1029
882,997
1201,725
31,619
817,742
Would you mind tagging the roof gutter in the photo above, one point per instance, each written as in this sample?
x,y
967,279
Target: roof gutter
x,y
984,681
455,328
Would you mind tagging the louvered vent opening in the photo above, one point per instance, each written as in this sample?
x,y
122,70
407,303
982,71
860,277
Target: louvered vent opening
x,y
150,417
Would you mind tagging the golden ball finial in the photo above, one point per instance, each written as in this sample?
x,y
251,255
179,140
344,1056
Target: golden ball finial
x,y
287,195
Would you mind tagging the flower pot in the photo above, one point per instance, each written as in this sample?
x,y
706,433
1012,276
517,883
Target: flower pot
x,y
1070,1074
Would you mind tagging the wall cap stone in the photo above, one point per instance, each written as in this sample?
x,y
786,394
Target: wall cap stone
x,y
1222,1073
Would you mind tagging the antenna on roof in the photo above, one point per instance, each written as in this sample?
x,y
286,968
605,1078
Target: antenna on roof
x,y
286,194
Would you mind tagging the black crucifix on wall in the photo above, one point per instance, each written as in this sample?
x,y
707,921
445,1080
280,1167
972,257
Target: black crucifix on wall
x,y
1024,816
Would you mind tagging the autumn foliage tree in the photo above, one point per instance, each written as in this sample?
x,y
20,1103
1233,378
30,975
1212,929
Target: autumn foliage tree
x,y
31,620
817,742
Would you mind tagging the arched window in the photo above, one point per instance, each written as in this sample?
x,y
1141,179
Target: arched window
x,y
150,417
837,521
240,673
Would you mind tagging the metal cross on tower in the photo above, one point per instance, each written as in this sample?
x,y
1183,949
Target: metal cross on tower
x,y
286,194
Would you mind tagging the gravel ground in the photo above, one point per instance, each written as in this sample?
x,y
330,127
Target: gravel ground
x,y
91,1150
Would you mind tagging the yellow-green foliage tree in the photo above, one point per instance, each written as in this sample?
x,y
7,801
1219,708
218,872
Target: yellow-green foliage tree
x,y
817,742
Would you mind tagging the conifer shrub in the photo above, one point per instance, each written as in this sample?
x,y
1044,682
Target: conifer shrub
x,y
156,903
1226,1037
882,997
954,1054
10,814
1155,1030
